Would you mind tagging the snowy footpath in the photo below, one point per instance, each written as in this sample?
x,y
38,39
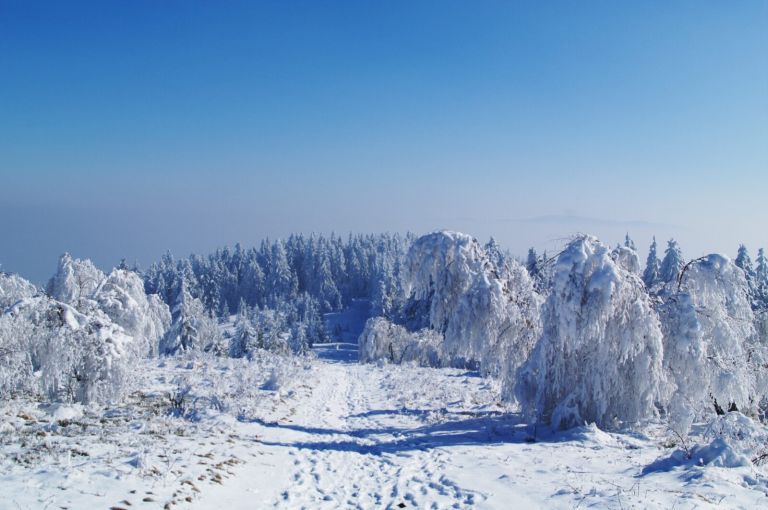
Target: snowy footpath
x,y
332,433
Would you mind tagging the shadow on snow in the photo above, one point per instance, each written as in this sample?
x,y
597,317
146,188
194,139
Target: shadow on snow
x,y
336,352
471,428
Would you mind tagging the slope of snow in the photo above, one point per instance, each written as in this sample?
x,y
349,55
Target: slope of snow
x,y
319,432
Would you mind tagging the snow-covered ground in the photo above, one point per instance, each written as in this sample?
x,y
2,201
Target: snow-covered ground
x,y
327,432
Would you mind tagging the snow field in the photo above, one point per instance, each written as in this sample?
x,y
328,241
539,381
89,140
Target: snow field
x,y
337,434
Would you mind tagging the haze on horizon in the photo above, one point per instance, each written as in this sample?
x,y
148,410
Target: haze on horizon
x,y
128,129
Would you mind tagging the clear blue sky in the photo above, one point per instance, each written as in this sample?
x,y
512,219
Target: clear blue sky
x,y
129,127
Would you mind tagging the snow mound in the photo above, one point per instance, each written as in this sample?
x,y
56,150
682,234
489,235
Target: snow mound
x,y
61,412
720,453
736,439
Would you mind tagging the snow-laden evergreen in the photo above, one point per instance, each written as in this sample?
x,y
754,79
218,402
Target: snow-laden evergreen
x,y
629,243
188,320
744,262
331,271
761,281
245,338
672,264
652,267
532,263
599,358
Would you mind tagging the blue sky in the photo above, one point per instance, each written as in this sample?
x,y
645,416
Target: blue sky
x,y
129,127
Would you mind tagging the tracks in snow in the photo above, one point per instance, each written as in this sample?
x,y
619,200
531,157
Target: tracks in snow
x,y
351,448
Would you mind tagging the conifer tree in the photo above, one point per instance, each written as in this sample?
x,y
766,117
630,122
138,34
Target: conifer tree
x,y
629,243
672,263
761,281
744,262
651,274
532,263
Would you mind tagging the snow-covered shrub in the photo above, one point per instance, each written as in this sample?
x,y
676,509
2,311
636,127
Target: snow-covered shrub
x,y
83,358
711,348
75,281
279,375
146,318
734,441
14,288
383,340
599,358
483,312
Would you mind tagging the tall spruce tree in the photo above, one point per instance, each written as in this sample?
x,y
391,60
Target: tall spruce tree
x,y
744,262
672,264
651,273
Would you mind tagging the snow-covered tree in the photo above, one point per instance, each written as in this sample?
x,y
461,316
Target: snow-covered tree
x,y
274,330
744,262
627,259
332,272
761,281
532,263
651,273
684,361
252,286
599,358
281,282
17,335
245,339
184,334
672,264
711,348
322,283
483,312
496,255
146,318
629,243
79,357
75,281
14,288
